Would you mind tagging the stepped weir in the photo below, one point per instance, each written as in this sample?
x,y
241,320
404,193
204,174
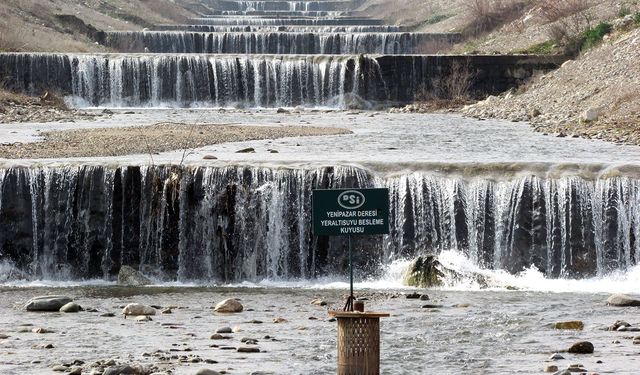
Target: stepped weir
x,y
247,222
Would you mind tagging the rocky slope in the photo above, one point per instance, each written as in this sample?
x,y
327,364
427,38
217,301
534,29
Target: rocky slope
x,y
594,96
69,25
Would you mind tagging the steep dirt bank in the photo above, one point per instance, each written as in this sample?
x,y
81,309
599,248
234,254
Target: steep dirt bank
x,y
67,25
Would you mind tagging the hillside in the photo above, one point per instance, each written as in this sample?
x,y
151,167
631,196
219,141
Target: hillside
x,y
68,25
593,95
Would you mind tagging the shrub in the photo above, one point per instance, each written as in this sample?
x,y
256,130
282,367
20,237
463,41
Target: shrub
x,y
487,15
568,19
454,85
594,35
624,11
636,18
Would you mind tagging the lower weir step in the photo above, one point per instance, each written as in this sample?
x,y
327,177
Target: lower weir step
x,y
239,223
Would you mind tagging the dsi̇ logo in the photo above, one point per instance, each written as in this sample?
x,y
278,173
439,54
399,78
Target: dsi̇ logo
x,y
351,199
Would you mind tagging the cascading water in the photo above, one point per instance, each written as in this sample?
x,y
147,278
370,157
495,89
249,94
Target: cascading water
x,y
284,21
192,80
248,223
299,29
275,42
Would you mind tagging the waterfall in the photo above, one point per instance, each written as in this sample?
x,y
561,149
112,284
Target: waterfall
x,y
282,28
246,223
274,42
285,21
192,80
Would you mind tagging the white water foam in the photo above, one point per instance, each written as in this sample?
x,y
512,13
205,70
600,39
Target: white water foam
x,y
532,279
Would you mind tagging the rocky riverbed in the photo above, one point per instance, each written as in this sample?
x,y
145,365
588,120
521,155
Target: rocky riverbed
x,y
289,331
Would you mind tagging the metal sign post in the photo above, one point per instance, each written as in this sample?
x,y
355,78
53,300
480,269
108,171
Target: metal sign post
x,y
348,212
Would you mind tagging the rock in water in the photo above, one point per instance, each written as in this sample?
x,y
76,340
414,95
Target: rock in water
x,y
575,324
230,305
47,303
131,277
119,370
206,371
622,300
138,309
427,271
582,347
70,307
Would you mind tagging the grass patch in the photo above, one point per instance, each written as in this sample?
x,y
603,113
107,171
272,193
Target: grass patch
x,y
435,19
593,36
544,48
624,11
636,18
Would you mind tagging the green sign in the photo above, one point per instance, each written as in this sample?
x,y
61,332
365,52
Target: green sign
x,y
350,211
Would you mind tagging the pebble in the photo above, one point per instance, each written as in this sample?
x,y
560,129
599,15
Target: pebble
x,y
206,371
431,306
318,302
224,330
556,356
217,336
280,320
551,368
248,349
574,325
582,347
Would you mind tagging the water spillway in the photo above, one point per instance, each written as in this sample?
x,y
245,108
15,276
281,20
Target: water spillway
x,y
192,80
291,6
276,42
296,29
238,223
117,80
286,21
279,13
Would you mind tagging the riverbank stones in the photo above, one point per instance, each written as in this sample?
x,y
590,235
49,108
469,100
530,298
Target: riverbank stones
x,y
622,300
582,347
230,305
206,371
70,307
574,325
138,309
47,303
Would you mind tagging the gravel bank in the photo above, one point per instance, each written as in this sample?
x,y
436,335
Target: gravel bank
x,y
594,96
152,139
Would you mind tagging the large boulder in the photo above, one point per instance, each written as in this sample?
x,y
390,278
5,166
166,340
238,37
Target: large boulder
x,y
427,271
47,303
230,305
622,300
131,277
138,309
